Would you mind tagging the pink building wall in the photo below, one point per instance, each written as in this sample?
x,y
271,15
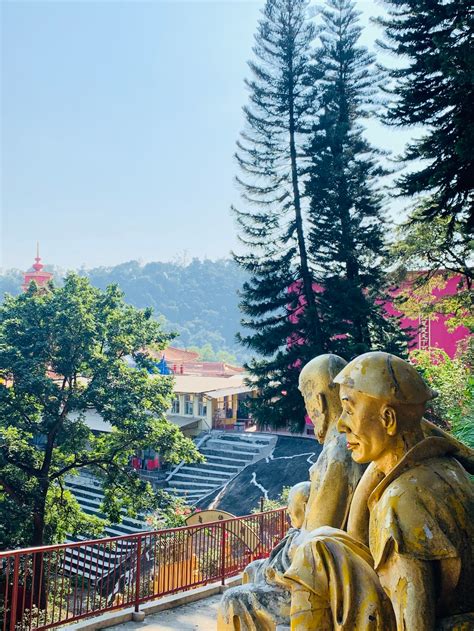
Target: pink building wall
x,y
428,332
432,332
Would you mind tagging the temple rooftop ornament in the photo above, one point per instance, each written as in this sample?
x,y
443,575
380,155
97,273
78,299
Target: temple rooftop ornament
x,y
36,273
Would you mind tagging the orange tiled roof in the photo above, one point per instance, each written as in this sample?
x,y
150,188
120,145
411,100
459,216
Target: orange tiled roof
x,y
175,355
208,368
185,362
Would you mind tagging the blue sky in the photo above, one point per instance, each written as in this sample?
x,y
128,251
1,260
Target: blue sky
x,y
119,121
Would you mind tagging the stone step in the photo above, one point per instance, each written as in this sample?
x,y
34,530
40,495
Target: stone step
x,y
196,490
191,496
233,447
246,439
203,473
97,555
214,466
194,497
212,455
93,501
226,455
126,526
116,530
90,499
120,545
79,492
179,484
189,479
239,456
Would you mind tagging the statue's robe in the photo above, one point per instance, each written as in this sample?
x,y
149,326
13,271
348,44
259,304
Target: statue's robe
x,y
263,601
276,563
422,510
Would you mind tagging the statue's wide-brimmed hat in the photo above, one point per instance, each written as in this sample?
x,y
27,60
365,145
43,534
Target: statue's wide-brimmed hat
x,y
387,377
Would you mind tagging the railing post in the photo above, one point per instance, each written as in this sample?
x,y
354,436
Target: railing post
x,y
223,551
261,528
14,602
137,577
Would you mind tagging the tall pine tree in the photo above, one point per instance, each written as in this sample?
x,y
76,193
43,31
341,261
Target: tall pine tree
x,y
346,208
434,87
279,301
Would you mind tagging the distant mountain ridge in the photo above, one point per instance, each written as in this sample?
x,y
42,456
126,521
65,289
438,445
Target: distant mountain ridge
x,y
199,300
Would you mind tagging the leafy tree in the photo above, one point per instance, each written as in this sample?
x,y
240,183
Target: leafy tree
x,y
279,502
434,87
454,382
416,248
172,516
279,301
199,301
347,235
62,353
435,260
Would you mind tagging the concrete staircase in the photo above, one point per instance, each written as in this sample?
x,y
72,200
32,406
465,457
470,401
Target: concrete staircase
x,y
226,453
98,563
88,492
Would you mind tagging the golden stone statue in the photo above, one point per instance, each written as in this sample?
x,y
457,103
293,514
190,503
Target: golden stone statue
x,y
417,573
263,601
270,569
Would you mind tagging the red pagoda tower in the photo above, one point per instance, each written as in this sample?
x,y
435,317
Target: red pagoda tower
x,y
37,273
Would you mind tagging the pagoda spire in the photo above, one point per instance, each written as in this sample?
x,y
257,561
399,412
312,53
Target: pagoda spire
x,y
37,273
38,266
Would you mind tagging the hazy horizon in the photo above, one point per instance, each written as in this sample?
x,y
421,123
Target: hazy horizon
x,y
180,259
119,124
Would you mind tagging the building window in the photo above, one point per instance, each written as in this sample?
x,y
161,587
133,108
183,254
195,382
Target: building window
x,y
175,406
202,406
188,404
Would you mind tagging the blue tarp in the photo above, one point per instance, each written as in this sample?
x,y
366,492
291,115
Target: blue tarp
x,y
163,367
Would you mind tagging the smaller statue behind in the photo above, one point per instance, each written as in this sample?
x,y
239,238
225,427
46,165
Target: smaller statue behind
x,y
242,607
280,557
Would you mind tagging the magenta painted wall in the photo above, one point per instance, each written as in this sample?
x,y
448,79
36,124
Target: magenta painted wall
x,y
432,332
428,332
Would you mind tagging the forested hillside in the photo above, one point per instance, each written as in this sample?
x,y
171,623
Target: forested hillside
x,y
199,301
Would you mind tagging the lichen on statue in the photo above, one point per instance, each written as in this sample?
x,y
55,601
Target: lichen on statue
x,y
263,601
417,572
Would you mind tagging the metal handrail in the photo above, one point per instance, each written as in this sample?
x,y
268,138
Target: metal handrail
x,y
47,586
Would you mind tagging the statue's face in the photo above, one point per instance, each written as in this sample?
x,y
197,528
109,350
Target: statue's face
x,y
361,421
296,509
313,401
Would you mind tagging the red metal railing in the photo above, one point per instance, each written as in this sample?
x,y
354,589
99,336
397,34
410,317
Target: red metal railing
x,y
49,586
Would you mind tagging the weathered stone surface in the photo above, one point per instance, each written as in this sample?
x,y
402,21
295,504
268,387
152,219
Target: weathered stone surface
x,y
421,509
414,507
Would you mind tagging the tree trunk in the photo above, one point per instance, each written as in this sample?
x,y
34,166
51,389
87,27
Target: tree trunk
x,y
348,253
37,539
306,276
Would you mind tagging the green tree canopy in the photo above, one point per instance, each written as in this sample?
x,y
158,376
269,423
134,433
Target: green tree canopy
x,y
271,160
63,351
347,208
433,87
435,259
